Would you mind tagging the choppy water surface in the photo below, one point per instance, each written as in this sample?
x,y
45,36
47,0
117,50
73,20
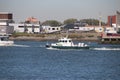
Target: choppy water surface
x,y
29,60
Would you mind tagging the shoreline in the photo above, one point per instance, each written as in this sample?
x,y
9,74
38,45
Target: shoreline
x,y
77,36
25,38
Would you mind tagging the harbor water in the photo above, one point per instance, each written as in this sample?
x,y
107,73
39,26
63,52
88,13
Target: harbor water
x,y
30,60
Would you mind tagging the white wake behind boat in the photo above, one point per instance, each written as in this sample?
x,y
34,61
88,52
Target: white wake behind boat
x,y
67,43
4,41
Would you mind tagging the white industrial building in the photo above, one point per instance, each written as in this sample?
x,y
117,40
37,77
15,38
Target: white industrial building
x,y
29,28
34,28
49,29
5,28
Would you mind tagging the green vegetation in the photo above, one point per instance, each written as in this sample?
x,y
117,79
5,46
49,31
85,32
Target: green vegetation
x,y
52,23
70,21
74,35
27,35
34,35
93,22
90,36
55,36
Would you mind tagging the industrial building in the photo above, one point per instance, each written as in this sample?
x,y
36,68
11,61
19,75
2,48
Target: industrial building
x,y
5,19
34,28
110,37
114,21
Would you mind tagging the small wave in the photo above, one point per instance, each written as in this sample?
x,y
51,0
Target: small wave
x,y
42,46
17,45
50,48
104,48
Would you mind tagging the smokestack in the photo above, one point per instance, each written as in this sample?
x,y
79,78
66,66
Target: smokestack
x,y
117,20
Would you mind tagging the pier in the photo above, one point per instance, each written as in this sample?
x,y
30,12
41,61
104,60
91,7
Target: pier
x,y
110,38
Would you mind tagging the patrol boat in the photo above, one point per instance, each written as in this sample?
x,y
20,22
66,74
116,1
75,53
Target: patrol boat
x,y
67,43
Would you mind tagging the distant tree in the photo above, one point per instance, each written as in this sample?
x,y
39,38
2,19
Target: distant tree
x,y
52,23
28,22
93,22
70,21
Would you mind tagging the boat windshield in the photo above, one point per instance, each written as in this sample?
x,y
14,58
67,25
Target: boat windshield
x,y
3,38
65,41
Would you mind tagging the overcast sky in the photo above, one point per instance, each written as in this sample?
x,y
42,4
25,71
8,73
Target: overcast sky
x,y
59,10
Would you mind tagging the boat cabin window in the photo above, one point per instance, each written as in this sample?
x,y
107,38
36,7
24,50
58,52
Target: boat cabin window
x,y
4,39
65,41
70,41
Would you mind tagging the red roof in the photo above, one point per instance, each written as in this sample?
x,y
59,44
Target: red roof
x,y
32,19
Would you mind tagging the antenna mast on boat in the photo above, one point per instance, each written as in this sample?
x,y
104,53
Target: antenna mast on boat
x,y
99,19
67,34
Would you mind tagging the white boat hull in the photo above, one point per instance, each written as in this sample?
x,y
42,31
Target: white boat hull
x,y
70,47
6,43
